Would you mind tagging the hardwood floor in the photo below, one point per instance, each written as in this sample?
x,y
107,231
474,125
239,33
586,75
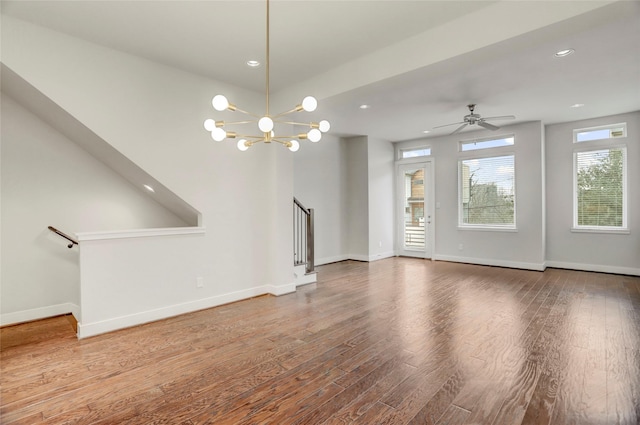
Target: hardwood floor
x,y
397,341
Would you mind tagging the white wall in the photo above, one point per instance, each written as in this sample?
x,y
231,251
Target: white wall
x,y
618,253
349,183
357,160
153,114
521,249
381,198
320,183
48,180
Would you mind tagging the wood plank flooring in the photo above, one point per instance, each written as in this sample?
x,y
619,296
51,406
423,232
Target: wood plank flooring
x,y
396,341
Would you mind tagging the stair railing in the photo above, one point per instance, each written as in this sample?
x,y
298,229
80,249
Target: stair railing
x,y
303,240
64,235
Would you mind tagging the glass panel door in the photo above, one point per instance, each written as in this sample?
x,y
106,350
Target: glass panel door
x,y
414,214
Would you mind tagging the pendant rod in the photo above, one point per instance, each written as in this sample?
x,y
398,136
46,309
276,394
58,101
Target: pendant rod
x,y
267,114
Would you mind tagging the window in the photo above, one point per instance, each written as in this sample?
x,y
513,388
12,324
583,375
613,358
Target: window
x,y
414,152
600,133
487,192
600,189
486,144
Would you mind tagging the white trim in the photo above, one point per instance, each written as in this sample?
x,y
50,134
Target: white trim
x,y
461,143
494,153
610,127
358,257
382,255
603,229
492,262
428,165
39,313
96,328
306,278
633,271
278,290
140,233
401,151
625,190
329,260
488,228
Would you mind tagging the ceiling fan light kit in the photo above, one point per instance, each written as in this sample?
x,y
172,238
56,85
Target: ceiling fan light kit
x,y
476,119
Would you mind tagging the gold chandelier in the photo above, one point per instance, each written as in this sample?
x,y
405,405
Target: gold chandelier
x,y
266,123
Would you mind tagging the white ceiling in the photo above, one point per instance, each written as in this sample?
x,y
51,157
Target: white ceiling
x,y
417,63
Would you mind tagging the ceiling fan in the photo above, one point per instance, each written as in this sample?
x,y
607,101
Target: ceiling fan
x,y
473,119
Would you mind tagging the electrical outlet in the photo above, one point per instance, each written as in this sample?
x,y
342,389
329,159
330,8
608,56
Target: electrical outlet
x,y
199,282
460,247
380,244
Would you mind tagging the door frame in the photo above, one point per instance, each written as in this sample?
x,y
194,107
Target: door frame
x,y
428,164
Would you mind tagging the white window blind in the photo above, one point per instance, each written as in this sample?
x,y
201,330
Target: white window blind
x,y
600,188
487,192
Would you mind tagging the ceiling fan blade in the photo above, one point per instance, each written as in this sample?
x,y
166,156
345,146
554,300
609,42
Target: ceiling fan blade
x,y
488,126
504,117
447,125
457,130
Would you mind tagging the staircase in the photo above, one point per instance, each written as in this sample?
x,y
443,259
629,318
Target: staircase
x,y
303,244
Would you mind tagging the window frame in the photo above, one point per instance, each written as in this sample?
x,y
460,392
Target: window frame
x,y
486,153
600,145
462,143
577,131
401,151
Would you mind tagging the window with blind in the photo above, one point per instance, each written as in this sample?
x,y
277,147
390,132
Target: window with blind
x,y
600,189
487,192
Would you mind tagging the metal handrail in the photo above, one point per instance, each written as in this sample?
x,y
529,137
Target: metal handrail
x,y
64,235
299,204
303,236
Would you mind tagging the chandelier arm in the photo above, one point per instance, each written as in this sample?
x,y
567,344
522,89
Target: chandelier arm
x,y
239,122
310,124
282,142
248,136
296,109
247,113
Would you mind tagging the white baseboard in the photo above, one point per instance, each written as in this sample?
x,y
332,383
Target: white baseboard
x,y
382,255
355,257
594,268
328,260
358,257
278,290
39,313
86,330
492,262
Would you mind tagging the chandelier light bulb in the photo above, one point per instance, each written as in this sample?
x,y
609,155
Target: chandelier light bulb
x,y
209,124
265,124
314,135
218,134
242,145
220,103
324,126
294,146
309,103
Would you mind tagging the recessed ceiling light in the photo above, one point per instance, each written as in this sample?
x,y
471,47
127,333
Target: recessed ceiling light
x,y
427,131
577,105
365,106
149,188
253,64
563,53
